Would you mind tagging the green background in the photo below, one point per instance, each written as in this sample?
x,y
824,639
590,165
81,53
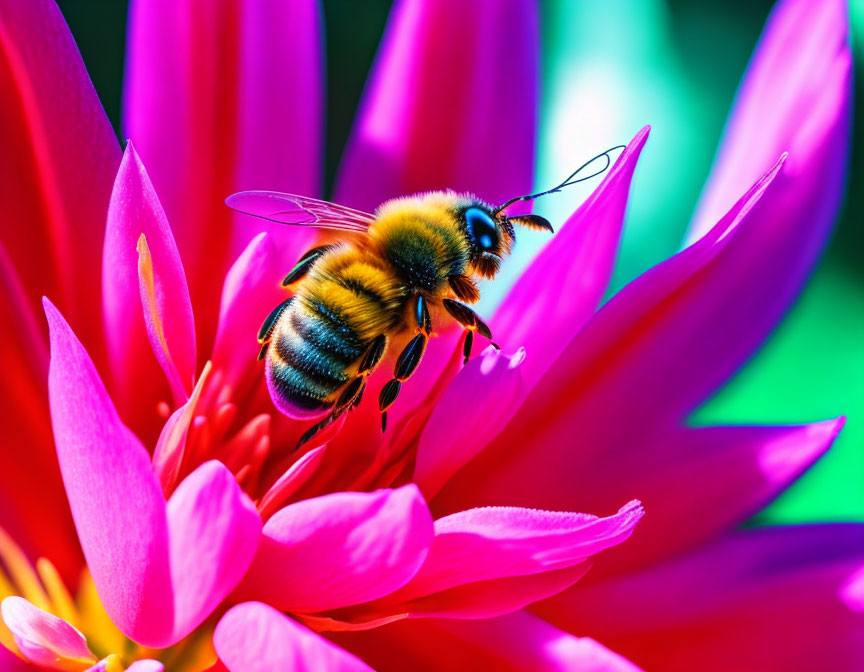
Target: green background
x,y
611,66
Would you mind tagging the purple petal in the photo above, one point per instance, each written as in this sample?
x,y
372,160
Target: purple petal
x,y
518,642
696,483
763,599
253,637
135,210
462,118
564,285
341,549
229,101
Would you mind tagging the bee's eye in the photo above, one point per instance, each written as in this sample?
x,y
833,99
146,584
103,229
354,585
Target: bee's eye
x,y
481,228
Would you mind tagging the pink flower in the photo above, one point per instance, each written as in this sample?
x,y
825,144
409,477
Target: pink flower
x,y
446,542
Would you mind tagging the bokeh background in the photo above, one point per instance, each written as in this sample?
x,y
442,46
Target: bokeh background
x,y
609,67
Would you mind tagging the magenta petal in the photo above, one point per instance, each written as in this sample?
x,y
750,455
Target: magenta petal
x,y
635,369
229,101
794,98
519,642
116,503
9,662
41,637
59,158
135,210
214,531
764,599
564,285
434,118
253,637
479,401
341,549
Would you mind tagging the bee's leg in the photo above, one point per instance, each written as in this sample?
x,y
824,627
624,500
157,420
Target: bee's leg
x,y
266,329
471,321
302,267
316,428
421,315
464,288
406,364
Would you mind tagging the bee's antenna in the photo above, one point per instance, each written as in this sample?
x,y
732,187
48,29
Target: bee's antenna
x,y
569,180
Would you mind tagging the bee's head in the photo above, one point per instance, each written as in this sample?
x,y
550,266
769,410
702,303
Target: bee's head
x,y
490,235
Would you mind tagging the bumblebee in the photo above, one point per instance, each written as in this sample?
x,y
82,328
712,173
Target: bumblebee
x,y
411,265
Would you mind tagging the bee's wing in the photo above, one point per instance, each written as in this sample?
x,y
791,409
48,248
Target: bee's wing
x,y
282,208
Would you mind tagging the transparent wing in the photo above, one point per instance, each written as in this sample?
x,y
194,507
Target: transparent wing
x,y
282,208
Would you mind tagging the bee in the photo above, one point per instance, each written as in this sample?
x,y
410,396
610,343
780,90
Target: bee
x,y
412,265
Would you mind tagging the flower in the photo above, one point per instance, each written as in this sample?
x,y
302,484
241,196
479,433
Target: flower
x,y
446,541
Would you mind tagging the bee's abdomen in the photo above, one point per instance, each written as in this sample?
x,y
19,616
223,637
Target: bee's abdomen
x,y
307,363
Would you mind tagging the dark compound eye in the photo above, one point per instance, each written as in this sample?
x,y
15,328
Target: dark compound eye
x,y
481,228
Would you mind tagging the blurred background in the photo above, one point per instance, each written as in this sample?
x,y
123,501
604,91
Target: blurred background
x,y
610,67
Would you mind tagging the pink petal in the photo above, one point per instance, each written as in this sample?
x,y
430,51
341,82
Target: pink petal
x,y
635,370
519,642
43,638
135,210
479,401
564,285
495,560
59,158
116,503
763,599
146,666
253,637
499,542
229,101
435,118
341,549
159,569
214,531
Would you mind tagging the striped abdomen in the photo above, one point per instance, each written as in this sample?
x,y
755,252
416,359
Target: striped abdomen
x,y
339,309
